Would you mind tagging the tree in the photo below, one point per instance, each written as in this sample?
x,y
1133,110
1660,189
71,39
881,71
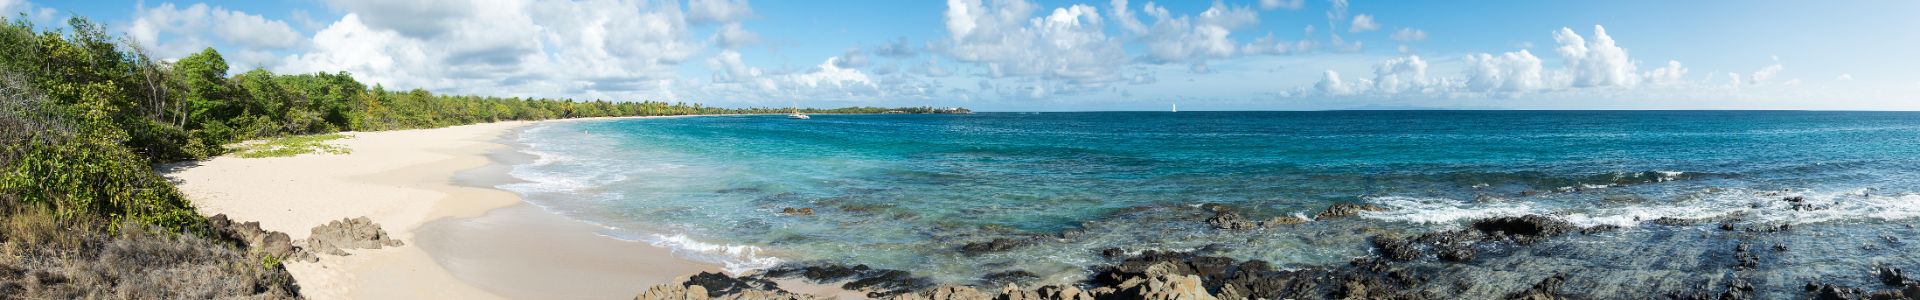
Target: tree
x,y
205,76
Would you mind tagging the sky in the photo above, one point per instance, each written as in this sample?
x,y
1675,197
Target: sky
x,y
1047,55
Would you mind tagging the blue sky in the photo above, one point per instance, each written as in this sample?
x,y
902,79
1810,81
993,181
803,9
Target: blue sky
x,y
1071,55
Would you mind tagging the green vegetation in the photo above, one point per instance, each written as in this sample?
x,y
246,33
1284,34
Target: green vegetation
x,y
290,146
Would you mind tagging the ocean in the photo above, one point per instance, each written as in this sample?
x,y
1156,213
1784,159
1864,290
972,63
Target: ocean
x,y
909,191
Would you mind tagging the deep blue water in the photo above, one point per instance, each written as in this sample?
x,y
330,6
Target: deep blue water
x,y
903,191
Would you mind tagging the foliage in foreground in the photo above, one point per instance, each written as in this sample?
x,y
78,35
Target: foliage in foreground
x,y
45,257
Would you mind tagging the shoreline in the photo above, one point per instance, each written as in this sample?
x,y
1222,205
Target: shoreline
x,y
420,185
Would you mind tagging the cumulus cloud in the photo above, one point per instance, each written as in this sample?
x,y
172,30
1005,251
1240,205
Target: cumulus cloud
x,y
1186,39
1844,77
14,8
733,36
1400,74
1595,65
1282,4
1672,73
1066,51
1598,62
416,19
1408,35
1363,23
718,11
173,32
1331,84
590,49
1511,72
1765,75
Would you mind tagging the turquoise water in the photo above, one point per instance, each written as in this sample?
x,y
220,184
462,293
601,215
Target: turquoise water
x,y
905,191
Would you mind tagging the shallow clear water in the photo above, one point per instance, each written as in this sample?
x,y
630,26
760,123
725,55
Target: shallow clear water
x,y
905,191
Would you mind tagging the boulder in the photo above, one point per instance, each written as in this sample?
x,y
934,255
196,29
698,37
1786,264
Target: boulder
x,y
356,233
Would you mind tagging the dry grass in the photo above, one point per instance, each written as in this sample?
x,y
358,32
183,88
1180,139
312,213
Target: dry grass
x,y
44,258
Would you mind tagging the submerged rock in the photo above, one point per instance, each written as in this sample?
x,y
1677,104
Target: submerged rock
x,y
995,245
1230,221
1343,210
806,211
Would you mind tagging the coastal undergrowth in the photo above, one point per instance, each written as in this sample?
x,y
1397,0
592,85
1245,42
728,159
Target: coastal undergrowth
x,y
291,146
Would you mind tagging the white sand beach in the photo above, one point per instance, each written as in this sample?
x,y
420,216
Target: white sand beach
x,y
491,245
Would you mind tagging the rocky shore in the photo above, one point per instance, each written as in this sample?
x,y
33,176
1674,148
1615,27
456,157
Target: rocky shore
x,y
1517,257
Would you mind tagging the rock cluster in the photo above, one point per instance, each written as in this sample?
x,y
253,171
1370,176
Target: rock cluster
x,y
716,286
356,233
1462,245
805,211
1343,210
271,243
877,283
1225,218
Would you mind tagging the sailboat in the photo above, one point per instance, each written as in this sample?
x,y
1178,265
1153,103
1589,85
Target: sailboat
x,y
1176,107
796,115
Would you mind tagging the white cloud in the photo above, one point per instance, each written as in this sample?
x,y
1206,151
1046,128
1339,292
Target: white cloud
x,y
1331,84
13,9
1408,35
718,11
1598,62
172,32
1363,23
588,49
1067,51
1282,4
1671,74
1400,74
1844,77
1186,39
732,35
1511,72
1268,45
1764,75
417,19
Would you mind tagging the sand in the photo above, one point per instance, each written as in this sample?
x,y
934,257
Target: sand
x,y
464,241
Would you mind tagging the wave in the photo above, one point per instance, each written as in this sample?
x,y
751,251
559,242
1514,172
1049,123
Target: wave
x,y
734,259
1749,206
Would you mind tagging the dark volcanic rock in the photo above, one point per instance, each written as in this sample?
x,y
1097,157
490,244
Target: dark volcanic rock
x,y
1547,289
718,284
1230,221
995,245
878,283
1343,210
1008,277
1892,276
1396,248
1524,229
1835,292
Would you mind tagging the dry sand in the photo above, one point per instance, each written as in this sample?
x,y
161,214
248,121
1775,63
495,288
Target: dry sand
x,y
463,242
